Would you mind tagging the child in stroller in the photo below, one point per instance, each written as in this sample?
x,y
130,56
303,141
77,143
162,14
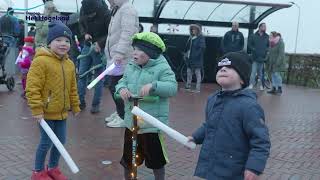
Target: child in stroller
x,y
24,60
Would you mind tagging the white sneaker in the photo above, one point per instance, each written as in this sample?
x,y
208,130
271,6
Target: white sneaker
x,y
261,88
250,86
111,117
117,122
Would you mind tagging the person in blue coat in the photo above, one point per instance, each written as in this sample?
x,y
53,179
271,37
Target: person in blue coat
x,y
194,55
234,137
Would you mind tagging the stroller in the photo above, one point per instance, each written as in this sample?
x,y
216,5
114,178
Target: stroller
x,y
4,51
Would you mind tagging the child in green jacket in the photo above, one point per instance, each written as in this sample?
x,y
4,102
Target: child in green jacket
x,y
147,74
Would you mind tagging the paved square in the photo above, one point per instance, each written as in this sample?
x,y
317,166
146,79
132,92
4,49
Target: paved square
x,y
293,120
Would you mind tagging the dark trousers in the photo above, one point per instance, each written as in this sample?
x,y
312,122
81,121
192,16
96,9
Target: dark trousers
x,y
113,81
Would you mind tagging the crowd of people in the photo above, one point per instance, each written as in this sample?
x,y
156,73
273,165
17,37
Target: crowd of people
x,y
234,137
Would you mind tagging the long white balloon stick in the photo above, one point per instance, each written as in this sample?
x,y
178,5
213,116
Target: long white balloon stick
x,y
59,146
101,76
158,124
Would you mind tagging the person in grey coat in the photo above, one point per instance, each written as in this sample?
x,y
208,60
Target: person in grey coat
x,y
123,25
276,62
258,44
234,137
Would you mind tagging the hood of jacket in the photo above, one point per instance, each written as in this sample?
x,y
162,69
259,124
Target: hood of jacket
x,y
43,51
196,26
240,92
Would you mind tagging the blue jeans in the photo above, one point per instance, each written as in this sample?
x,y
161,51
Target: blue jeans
x,y
59,128
85,64
257,67
276,79
10,40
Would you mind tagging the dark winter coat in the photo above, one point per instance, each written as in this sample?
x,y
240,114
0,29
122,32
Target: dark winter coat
x,y
233,41
197,47
96,26
259,46
9,25
276,58
234,137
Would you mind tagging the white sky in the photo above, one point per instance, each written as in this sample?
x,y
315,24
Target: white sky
x,y
283,21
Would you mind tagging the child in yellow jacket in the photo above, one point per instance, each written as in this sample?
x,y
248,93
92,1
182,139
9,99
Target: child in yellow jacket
x,y
51,92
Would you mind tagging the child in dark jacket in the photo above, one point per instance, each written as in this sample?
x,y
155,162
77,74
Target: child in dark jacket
x,y
235,140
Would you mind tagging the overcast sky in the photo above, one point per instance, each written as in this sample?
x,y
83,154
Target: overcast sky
x,y
283,21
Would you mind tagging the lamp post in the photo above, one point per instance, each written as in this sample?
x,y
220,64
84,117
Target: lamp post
x,y
26,19
298,25
296,43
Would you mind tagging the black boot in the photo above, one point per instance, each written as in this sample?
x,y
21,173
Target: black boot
x,y
272,91
82,106
279,91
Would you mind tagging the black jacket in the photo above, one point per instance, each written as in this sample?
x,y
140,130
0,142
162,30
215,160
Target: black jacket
x,y
259,46
233,41
96,26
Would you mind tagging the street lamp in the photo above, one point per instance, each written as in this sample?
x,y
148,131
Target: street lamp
x,y
26,21
298,25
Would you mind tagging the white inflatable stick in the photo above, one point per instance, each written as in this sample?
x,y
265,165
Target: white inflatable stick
x,y
59,146
158,124
101,76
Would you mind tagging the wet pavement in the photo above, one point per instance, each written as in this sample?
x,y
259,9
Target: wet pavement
x,y
293,120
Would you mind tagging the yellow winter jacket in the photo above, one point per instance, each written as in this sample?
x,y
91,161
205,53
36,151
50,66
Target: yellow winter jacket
x,y
51,86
